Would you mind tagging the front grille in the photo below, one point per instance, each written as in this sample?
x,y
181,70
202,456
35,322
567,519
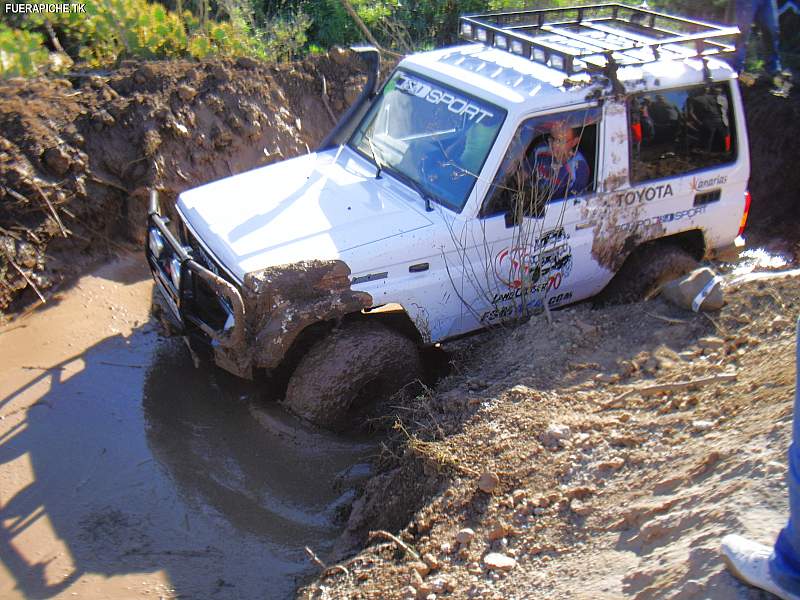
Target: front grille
x,y
206,305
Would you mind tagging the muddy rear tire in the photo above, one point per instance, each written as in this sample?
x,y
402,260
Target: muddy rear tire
x,y
351,375
645,271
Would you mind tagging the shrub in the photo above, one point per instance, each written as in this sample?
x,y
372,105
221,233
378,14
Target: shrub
x,y
22,53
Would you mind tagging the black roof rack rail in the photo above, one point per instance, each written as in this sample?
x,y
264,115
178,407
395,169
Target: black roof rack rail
x,y
591,37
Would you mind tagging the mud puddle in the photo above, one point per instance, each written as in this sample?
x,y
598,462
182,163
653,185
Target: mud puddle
x,y
126,473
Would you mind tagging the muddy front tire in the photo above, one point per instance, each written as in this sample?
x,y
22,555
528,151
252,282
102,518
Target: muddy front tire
x,y
645,271
351,375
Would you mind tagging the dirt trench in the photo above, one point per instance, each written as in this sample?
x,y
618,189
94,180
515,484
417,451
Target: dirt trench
x,y
78,154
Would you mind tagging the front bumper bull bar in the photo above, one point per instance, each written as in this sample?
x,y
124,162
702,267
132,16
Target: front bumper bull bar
x,y
175,256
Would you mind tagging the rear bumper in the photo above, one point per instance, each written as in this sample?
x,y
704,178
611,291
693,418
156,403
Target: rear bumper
x,y
185,284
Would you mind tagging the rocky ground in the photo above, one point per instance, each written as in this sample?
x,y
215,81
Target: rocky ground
x,y
600,455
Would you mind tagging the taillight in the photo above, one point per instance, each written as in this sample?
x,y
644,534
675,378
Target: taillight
x,y
746,212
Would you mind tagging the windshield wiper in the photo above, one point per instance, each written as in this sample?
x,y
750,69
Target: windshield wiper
x,y
374,156
417,188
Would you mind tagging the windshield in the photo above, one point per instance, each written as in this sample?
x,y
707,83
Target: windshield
x,y
433,135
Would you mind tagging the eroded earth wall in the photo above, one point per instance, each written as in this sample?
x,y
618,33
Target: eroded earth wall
x,y
77,155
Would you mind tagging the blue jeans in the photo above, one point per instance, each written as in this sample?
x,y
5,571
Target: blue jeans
x,y
785,563
765,15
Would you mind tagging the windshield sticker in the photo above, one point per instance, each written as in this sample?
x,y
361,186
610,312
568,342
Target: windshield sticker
x,y
434,95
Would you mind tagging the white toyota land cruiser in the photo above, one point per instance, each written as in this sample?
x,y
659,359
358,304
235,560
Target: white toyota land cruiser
x,y
560,154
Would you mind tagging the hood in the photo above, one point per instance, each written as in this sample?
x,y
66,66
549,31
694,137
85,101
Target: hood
x,y
315,206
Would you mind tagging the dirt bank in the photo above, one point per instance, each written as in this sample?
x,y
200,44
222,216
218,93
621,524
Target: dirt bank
x,y
78,154
581,454
774,176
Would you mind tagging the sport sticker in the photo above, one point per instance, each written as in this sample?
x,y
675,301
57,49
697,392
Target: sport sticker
x,y
667,218
454,104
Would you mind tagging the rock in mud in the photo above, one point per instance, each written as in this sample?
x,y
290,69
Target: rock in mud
x,y
186,92
57,160
700,426
555,435
683,291
498,531
465,536
499,562
488,481
579,507
431,561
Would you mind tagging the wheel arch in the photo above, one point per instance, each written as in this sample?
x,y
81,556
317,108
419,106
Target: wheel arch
x,y
392,316
691,242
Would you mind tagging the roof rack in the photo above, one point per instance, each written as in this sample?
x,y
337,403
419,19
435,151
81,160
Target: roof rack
x,y
597,37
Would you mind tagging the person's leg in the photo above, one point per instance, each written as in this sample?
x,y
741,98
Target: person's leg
x,y
767,19
745,11
785,562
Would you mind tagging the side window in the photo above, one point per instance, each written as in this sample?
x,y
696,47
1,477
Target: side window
x,y
550,158
678,131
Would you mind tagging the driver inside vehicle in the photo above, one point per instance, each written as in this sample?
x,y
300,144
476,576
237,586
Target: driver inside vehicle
x,y
557,166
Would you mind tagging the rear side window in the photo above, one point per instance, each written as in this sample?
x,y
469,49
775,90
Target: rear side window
x,y
673,132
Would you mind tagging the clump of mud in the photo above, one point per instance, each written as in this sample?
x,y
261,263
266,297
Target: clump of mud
x,y
77,155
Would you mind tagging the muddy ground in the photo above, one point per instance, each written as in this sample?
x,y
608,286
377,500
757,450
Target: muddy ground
x,y
600,455
127,473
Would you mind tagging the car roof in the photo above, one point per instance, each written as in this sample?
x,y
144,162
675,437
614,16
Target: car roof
x,y
521,85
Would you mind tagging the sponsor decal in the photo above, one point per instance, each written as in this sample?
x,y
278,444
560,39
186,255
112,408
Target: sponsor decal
x,y
559,299
434,95
530,273
667,218
523,268
698,185
647,194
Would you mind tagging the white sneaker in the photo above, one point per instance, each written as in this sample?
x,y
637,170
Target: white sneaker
x,y
749,561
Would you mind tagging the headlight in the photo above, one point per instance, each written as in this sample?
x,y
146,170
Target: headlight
x,y
156,242
175,272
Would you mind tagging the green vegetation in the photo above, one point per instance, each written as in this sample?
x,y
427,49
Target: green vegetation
x,y
113,30
272,30
21,52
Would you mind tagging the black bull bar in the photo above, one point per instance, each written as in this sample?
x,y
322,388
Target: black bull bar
x,y
176,255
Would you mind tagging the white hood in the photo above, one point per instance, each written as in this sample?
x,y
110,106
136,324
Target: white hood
x,y
311,207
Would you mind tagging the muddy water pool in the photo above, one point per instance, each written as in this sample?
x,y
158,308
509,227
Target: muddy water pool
x,y
127,473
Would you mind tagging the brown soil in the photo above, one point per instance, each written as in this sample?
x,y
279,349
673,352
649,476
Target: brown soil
x,y
774,176
551,447
78,155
